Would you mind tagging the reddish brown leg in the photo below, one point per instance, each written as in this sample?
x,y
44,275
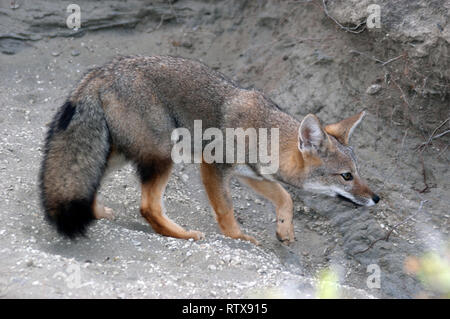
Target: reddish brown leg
x,y
220,198
153,187
283,205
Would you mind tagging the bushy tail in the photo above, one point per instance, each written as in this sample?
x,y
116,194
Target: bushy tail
x,y
75,155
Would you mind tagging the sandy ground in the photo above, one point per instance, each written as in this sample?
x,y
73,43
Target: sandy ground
x,y
124,258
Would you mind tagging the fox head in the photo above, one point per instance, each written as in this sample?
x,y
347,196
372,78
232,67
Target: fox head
x,y
330,165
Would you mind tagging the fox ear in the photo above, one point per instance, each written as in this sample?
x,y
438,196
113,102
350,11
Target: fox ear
x,y
310,134
344,129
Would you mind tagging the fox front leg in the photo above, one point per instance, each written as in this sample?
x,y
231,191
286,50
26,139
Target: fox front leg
x,y
283,205
220,199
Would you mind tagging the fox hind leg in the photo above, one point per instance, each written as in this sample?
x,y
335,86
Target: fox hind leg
x,y
219,196
154,178
101,211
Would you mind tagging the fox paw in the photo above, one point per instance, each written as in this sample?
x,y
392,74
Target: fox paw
x,y
249,238
103,212
196,235
286,235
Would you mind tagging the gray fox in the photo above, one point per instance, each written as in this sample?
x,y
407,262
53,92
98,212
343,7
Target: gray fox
x,y
128,109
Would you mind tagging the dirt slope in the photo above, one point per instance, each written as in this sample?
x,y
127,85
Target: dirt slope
x,y
303,60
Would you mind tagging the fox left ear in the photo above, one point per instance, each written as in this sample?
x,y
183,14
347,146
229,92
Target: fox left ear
x,y
344,129
310,134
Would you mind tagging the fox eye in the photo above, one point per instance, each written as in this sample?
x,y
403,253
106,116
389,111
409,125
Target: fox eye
x,y
347,176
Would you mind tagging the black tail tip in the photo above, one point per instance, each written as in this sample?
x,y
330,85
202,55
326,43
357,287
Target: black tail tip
x,y
72,218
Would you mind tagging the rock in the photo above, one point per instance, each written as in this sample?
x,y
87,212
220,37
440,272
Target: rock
x,y
12,46
373,89
226,258
136,243
187,44
212,267
235,260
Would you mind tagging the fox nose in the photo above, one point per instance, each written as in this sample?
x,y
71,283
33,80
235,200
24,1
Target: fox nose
x,y
376,198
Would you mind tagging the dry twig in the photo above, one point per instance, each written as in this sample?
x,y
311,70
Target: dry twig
x,y
433,136
383,63
408,106
388,234
421,149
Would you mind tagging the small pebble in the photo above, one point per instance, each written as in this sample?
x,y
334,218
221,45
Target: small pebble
x,y
212,267
373,89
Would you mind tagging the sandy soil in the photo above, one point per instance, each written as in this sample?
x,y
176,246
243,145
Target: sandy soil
x,y
300,59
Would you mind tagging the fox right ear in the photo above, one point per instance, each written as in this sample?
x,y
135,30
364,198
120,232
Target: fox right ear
x,y
344,129
310,134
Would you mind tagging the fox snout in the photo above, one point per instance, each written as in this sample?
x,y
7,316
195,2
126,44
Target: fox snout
x,y
361,194
367,199
362,200
374,200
